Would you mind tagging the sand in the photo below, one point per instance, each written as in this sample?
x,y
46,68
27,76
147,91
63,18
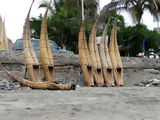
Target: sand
x,y
118,103
85,103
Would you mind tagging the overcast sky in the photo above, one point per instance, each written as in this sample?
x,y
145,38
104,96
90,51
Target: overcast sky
x,y
14,12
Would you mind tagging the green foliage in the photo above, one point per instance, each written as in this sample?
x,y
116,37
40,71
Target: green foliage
x,y
64,29
131,39
35,25
120,23
135,7
63,23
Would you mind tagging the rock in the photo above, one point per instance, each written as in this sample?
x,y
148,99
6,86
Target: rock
x,y
148,85
145,82
155,81
8,84
140,84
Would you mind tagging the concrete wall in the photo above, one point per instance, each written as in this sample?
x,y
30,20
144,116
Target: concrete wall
x,y
67,67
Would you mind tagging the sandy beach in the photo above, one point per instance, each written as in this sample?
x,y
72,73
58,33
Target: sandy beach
x,y
122,103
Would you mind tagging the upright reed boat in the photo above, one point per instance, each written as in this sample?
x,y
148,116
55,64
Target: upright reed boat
x,y
105,58
45,51
29,53
84,57
115,57
3,36
97,70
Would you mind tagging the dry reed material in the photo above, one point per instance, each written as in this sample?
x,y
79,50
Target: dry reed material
x,y
41,85
29,53
105,59
118,59
115,57
3,36
33,65
97,67
45,51
84,56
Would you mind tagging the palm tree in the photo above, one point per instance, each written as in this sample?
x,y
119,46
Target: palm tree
x,y
135,7
91,7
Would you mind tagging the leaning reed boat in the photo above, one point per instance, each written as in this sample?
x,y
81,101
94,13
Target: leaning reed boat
x,y
115,57
97,70
45,51
84,57
105,59
41,85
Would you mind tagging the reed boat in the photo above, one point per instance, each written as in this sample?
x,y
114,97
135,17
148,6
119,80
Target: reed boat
x,y
41,85
45,51
115,57
93,49
5,40
105,59
29,53
118,59
33,66
84,57
3,36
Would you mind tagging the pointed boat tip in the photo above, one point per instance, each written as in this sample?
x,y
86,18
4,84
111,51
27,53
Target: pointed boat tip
x,y
30,10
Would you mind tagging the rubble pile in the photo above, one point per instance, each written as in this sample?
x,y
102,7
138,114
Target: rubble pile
x,y
150,83
8,84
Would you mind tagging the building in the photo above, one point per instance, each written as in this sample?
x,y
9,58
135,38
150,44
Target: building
x,y
157,29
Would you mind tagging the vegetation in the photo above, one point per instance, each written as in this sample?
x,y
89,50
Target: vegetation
x,y
135,7
131,39
64,23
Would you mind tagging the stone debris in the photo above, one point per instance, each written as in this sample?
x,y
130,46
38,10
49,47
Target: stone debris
x,y
8,84
150,83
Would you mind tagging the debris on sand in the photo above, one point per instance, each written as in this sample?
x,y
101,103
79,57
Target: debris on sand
x,y
150,83
1,85
7,84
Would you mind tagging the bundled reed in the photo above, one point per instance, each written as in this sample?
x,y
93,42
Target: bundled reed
x,y
45,51
3,36
41,85
29,53
115,57
33,64
98,76
105,59
84,56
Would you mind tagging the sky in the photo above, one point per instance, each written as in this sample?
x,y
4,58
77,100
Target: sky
x,y
14,13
